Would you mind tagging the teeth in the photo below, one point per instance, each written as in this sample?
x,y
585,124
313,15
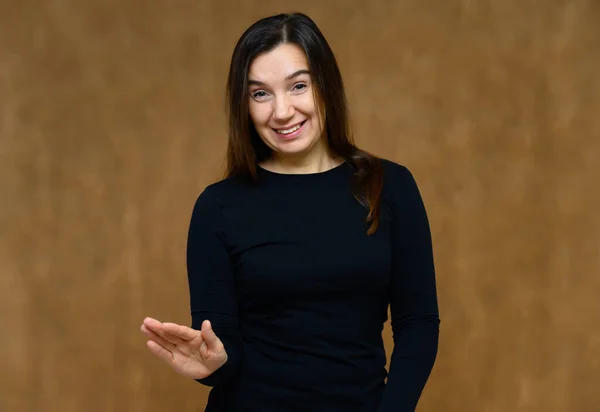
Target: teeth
x,y
288,131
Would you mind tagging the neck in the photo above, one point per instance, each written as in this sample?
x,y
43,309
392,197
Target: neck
x,y
295,164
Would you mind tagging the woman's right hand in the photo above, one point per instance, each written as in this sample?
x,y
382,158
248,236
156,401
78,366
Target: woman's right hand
x,y
192,353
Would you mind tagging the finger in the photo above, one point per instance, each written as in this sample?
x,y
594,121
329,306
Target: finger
x,y
159,351
175,340
209,335
157,338
159,328
182,332
204,350
152,323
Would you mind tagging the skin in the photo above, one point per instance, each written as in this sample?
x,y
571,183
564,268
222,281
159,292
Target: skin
x,y
281,95
192,353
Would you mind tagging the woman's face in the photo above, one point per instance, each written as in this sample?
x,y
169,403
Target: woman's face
x,y
282,102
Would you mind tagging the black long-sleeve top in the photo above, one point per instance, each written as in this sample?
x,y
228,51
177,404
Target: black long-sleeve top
x,y
298,292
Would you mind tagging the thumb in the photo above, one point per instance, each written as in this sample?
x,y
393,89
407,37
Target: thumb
x,y
208,334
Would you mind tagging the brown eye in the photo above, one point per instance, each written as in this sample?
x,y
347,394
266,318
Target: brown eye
x,y
299,86
259,94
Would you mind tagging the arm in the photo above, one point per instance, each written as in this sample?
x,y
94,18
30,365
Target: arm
x,y
413,302
211,283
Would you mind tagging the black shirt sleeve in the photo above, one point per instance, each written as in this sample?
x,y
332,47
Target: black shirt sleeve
x,y
413,302
211,283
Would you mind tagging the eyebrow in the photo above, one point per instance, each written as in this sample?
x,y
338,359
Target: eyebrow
x,y
289,77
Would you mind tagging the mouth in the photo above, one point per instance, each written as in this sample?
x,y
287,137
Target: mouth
x,y
290,132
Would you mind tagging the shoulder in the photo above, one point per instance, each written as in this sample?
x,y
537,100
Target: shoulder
x,y
226,189
207,209
223,194
400,190
396,177
391,168
220,188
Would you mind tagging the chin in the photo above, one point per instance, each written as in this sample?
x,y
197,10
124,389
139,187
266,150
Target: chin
x,y
294,147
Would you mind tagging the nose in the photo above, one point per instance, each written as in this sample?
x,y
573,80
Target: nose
x,y
283,109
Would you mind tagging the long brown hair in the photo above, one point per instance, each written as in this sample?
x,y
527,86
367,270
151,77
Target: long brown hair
x,y
246,149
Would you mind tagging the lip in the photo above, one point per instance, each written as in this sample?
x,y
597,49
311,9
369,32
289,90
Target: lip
x,y
290,135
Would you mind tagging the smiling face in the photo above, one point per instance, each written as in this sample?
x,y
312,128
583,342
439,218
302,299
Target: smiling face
x,y
282,103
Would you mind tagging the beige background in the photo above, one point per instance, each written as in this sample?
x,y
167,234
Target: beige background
x,y
111,123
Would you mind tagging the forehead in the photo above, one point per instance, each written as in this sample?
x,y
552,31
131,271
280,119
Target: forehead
x,y
278,63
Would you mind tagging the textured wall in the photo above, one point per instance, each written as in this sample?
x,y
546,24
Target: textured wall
x,y
111,122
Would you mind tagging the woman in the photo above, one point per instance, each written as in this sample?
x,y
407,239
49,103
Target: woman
x,y
294,257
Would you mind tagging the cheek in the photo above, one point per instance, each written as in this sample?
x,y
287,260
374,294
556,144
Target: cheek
x,y
306,104
259,113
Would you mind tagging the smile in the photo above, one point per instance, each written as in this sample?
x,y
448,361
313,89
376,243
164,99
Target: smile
x,y
290,130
